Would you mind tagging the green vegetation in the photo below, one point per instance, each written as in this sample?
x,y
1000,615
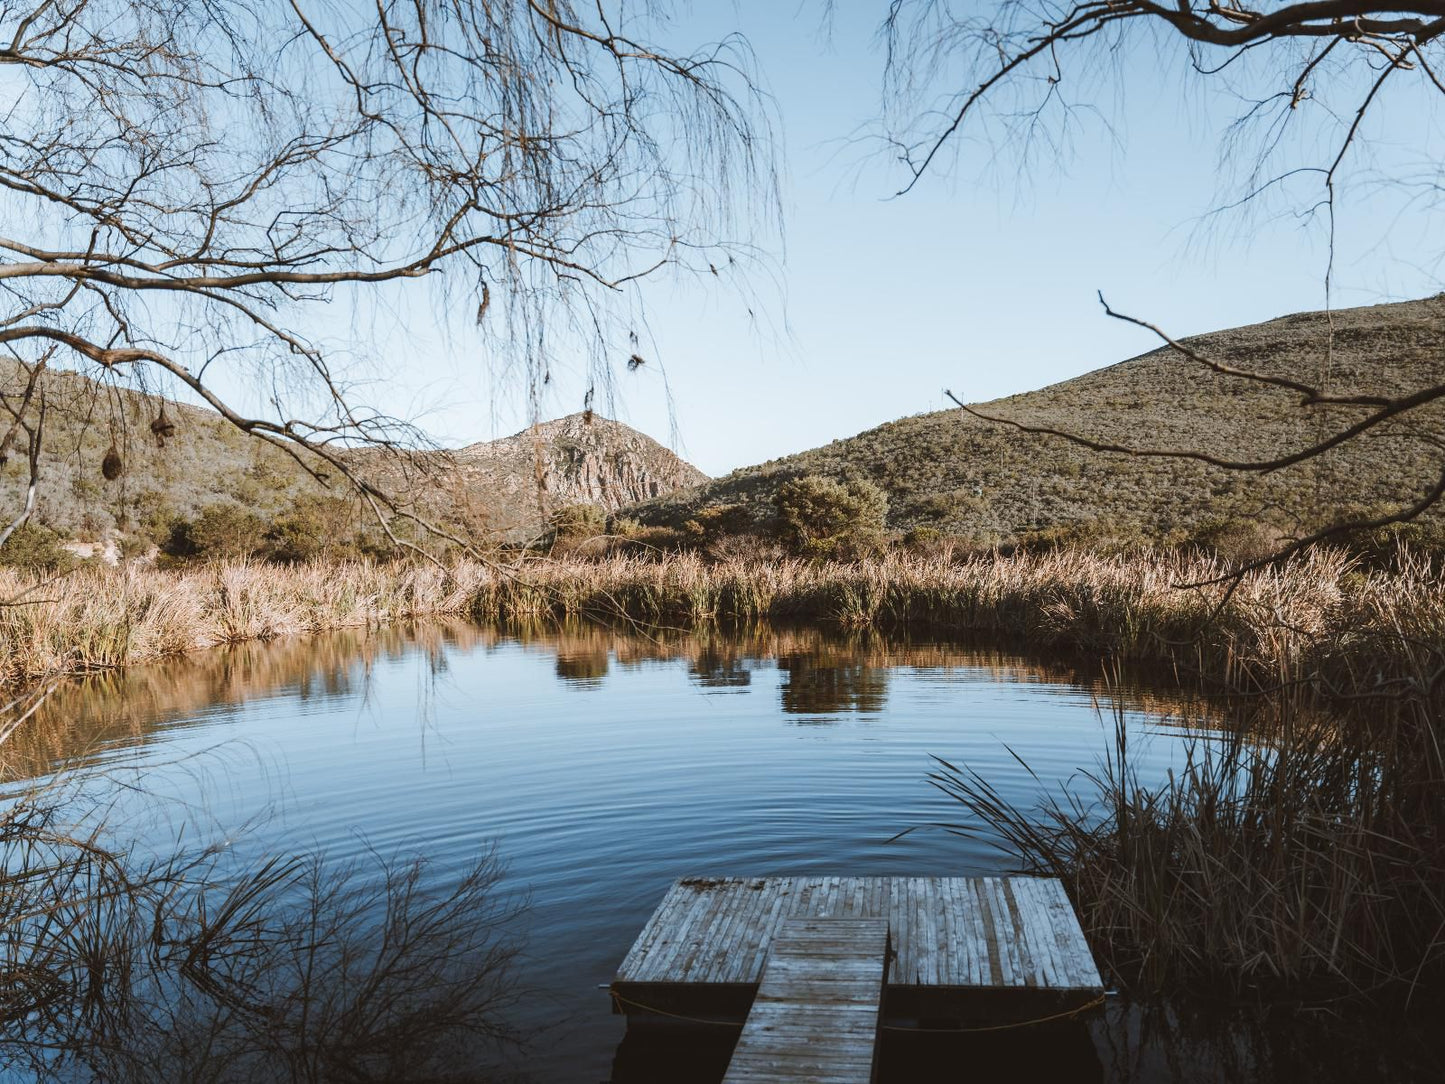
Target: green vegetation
x,y
577,528
311,528
36,548
981,484
822,517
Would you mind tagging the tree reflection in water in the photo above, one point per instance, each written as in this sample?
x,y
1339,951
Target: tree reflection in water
x,y
827,673
827,684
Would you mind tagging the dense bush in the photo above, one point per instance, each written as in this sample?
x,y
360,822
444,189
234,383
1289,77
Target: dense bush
x,y
1238,538
221,530
312,527
577,521
824,517
36,547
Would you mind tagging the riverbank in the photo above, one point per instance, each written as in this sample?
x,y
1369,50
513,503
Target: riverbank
x,y
1316,619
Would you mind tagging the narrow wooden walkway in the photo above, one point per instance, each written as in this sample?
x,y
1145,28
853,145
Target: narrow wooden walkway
x,y
816,1013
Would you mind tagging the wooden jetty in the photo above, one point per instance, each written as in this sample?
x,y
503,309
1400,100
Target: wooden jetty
x,y
964,950
816,1012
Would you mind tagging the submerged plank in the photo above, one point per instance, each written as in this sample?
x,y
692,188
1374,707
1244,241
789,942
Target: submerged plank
x,y
815,1016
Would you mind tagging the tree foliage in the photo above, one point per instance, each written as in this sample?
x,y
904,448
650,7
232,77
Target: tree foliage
x,y
825,517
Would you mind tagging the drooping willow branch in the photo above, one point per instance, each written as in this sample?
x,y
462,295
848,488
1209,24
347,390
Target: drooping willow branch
x,y
194,190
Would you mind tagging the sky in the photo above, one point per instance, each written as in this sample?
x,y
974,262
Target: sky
x,y
984,279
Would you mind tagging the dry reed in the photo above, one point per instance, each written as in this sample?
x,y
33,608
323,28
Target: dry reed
x,y
1317,618
1299,859
188,966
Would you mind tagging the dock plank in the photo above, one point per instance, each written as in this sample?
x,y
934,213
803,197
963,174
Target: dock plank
x,y
816,1013
714,935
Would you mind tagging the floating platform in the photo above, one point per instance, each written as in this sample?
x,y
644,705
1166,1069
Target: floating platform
x,y
964,950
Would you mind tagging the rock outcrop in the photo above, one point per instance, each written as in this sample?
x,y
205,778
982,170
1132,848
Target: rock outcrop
x,y
580,459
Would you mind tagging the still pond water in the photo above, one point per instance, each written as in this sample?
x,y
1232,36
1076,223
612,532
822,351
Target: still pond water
x,y
603,765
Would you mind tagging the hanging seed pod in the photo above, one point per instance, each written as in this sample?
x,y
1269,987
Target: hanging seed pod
x,y
6,445
162,427
112,466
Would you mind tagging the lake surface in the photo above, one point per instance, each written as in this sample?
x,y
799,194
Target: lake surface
x,y
602,765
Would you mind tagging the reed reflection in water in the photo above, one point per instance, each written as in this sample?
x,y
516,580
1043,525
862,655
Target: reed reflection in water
x,y
826,674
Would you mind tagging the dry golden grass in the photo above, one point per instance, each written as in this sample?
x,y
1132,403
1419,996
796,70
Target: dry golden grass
x,y
1317,617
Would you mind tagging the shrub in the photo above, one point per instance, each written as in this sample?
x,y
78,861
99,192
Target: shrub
x,y
574,527
134,547
823,517
36,547
221,530
1237,539
923,539
314,526
576,521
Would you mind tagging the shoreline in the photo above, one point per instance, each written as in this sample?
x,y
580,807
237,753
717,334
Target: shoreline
x,y
1316,620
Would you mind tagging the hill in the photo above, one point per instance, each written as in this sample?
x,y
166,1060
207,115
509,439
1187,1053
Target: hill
x,y
990,483
583,458
505,487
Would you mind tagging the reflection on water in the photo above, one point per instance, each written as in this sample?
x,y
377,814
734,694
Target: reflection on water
x,y
825,684
606,763
823,674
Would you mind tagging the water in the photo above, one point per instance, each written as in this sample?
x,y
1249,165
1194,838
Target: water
x,y
600,765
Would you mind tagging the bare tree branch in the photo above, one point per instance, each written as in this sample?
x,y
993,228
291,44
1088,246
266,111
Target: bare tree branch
x,y
189,190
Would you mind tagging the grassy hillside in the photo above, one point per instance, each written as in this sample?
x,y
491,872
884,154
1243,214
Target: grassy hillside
x,y
503,488
205,460
989,483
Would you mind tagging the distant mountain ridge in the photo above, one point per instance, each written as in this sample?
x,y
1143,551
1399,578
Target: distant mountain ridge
x,y
990,483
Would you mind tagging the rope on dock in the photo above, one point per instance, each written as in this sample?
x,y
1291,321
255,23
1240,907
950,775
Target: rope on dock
x,y
1005,1027
1067,1014
619,999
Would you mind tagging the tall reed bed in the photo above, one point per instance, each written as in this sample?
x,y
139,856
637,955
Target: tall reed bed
x,y
1316,618
1298,859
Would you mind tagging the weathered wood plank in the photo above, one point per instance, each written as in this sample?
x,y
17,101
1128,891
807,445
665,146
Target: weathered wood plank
x,y
953,932
675,948
816,1013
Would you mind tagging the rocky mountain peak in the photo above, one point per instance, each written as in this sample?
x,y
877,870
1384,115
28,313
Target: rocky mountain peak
x,y
582,458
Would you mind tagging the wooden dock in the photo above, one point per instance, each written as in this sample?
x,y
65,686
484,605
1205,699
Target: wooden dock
x,y
816,1012
965,949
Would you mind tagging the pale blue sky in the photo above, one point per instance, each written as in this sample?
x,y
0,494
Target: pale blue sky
x,y
982,279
